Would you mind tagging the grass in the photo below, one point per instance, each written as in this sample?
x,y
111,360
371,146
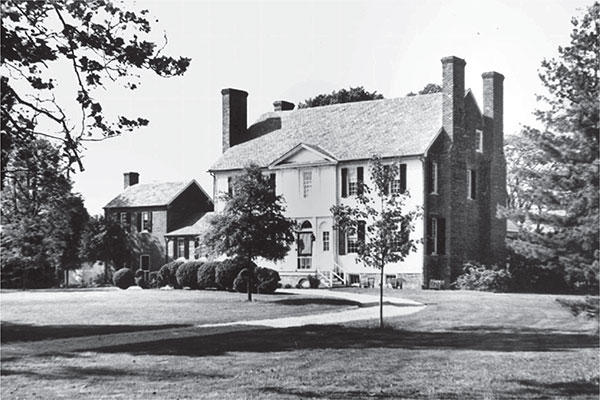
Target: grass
x,y
464,345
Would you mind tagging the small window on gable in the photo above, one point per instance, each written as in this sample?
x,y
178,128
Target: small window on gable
x,y
434,177
479,140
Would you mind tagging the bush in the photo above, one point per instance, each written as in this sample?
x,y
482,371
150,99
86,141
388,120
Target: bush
x,y
124,278
314,281
187,274
228,270
483,278
26,273
206,275
139,279
167,274
265,281
589,307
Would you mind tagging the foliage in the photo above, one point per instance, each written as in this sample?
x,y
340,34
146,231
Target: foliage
x,y
428,89
124,278
554,172
228,270
139,279
91,45
42,219
380,214
164,273
187,274
252,224
314,281
106,240
265,282
341,96
589,307
240,283
172,274
206,275
26,273
483,278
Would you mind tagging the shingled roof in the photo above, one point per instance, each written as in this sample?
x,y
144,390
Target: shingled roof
x,y
149,194
349,131
194,225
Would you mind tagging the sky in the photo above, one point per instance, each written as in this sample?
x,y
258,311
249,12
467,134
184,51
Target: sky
x,y
293,50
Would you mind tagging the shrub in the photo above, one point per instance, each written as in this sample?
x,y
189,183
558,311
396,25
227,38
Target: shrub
x,y
589,307
26,273
484,278
287,286
187,274
124,278
314,281
139,279
167,274
206,275
267,280
228,270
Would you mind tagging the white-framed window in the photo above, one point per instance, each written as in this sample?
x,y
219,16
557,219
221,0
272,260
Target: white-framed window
x,y
353,242
396,186
123,218
306,183
434,177
479,140
471,184
352,182
434,236
180,247
326,241
147,221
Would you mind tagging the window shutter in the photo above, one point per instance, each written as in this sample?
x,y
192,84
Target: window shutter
x,y
272,182
360,178
473,184
344,182
441,235
138,221
429,175
361,231
186,249
402,178
429,235
175,255
128,219
229,186
386,171
149,221
341,242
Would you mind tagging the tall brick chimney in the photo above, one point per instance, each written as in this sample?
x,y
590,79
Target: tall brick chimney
x,y
130,179
282,105
493,125
453,89
235,117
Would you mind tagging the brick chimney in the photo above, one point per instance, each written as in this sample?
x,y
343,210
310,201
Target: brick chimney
x,y
493,107
130,179
453,89
282,105
235,117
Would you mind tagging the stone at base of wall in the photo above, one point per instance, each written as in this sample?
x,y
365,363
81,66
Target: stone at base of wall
x,y
399,281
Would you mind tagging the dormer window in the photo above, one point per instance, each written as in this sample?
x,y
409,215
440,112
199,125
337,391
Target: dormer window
x,y
479,140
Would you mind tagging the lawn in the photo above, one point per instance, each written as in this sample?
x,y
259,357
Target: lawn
x,y
464,345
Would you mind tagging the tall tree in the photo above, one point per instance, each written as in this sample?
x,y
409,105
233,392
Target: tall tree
x,y
557,200
252,224
99,42
428,89
341,96
381,218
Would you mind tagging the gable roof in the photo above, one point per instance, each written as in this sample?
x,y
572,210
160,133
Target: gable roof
x,y
150,194
350,131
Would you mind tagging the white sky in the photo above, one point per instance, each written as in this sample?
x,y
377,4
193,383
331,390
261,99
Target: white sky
x,y
292,50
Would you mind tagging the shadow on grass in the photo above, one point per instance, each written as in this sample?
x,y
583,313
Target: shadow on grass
x,y
319,301
339,337
12,332
560,389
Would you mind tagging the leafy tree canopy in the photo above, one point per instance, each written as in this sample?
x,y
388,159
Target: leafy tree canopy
x,y
99,42
104,239
428,89
554,171
341,96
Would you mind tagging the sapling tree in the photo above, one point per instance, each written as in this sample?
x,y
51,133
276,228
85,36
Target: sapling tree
x,y
381,219
253,223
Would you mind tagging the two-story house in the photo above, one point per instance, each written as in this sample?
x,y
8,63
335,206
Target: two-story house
x,y
452,164
163,217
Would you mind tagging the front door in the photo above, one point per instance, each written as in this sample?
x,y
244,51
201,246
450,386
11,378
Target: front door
x,y
304,242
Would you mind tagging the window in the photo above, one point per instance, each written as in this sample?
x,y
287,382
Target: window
x,y
352,179
147,221
272,183
306,183
326,241
434,178
479,140
471,184
145,265
398,185
436,236
230,186
352,182
180,248
123,218
356,238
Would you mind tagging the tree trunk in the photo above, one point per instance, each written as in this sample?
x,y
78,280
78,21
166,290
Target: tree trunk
x,y
249,282
381,300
